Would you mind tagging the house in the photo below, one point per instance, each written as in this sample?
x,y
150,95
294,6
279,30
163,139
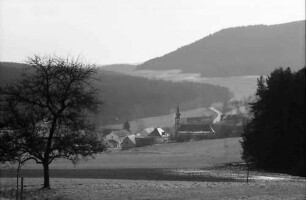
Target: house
x,y
112,140
234,119
145,132
128,142
159,135
192,127
142,141
195,129
151,136
197,120
115,138
158,132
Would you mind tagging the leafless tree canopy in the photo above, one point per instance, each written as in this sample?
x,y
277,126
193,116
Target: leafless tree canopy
x,y
47,111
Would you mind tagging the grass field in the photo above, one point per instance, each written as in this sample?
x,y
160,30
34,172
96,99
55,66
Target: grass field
x,y
155,162
194,154
191,170
114,189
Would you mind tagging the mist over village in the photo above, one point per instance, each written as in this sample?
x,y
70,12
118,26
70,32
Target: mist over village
x,y
152,99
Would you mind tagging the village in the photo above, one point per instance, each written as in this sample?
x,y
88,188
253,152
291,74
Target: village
x,y
184,129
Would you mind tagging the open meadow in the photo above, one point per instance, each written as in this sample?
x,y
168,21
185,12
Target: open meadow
x,y
207,169
194,154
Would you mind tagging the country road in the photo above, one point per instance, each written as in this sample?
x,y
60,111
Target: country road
x,y
218,118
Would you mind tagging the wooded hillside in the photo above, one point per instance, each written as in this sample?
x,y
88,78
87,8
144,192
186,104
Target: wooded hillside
x,y
126,97
239,51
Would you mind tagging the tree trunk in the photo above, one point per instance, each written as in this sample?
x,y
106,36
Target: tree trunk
x,y
17,190
248,172
46,175
46,154
18,174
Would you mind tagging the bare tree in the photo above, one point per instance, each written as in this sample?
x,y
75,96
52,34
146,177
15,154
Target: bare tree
x,y
48,108
11,152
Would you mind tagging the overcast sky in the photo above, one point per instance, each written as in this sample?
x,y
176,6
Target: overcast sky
x,y
126,31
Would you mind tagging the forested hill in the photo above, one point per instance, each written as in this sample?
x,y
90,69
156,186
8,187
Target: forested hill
x,y
249,50
10,71
128,97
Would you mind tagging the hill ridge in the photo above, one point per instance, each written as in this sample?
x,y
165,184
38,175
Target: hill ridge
x,y
238,51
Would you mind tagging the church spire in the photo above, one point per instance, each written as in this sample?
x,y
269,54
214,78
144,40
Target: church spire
x,y
178,114
177,120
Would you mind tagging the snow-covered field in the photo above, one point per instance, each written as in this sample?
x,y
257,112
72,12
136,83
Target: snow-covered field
x,y
190,170
263,186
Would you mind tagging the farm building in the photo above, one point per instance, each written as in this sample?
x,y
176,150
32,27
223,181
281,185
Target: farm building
x,y
231,125
158,132
159,135
115,138
128,142
145,132
144,141
196,120
233,119
150,136
193,126
195,129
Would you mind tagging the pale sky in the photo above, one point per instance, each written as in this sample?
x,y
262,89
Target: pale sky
x,y
126,31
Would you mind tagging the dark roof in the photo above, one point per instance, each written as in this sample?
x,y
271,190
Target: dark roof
x,y
195,127
198,120
122,132
131,138
234,117
158,132
107,131
112,143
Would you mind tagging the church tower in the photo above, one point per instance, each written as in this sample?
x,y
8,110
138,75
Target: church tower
x,y
177,120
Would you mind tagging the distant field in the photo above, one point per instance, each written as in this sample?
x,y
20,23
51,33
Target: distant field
x,y
195,154
163,120
241,86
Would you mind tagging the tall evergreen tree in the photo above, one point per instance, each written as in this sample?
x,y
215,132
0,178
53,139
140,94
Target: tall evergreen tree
x,y
275,137
126,125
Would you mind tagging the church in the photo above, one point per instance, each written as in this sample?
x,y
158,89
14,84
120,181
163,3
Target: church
x,y
192,127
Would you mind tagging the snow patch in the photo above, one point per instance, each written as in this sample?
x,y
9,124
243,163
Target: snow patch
x,y
270,178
